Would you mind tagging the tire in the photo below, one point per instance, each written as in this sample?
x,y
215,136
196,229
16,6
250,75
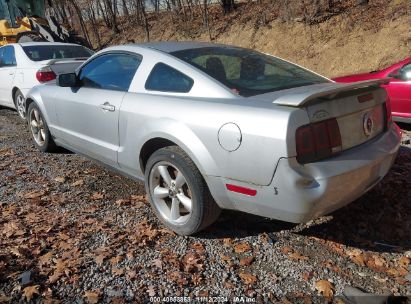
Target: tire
x,y
20,103
30,38
41,135
190,191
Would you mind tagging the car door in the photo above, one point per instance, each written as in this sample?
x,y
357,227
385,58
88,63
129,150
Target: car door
x,y
87,116
399,90
8,68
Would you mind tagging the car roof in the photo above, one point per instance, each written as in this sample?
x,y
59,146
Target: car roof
x,y
405,61
45,43
174,46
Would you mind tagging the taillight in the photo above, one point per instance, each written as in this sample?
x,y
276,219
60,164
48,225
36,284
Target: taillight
x,y
45,74
318,140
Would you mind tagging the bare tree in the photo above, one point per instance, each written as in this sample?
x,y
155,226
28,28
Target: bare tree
x,y
125,8
206,18
110,7
80,19
91,16
228,5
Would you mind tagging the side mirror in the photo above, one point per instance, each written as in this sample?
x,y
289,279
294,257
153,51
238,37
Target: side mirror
x,y
68,80
396,74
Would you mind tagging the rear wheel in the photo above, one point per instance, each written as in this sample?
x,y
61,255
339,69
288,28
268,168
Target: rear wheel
x,y
20,103
178,192
30,38
39,129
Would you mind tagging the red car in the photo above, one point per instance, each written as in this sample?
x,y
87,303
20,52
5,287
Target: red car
x,y
398,88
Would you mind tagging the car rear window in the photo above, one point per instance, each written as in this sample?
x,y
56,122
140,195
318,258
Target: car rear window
x,y
164,78
248,72
48,52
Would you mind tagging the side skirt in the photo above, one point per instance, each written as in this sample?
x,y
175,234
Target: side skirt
x,y
106,166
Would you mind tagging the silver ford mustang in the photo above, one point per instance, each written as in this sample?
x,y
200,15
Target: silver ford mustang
x,y
211,127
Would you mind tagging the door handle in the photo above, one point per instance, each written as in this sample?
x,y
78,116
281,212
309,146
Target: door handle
x,y
107,107
11,73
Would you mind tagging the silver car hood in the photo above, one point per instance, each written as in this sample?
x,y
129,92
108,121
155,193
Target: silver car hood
x,y
298,97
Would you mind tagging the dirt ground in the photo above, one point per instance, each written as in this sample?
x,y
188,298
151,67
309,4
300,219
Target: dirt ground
x,y
359,39
73,232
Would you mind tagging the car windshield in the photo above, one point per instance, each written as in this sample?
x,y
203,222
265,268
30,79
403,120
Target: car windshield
x,y
47,52
247,72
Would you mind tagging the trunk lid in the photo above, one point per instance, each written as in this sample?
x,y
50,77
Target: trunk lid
x,y
328,91
360,116
359,108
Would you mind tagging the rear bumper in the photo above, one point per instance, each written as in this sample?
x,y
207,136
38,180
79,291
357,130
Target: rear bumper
x,y
299,193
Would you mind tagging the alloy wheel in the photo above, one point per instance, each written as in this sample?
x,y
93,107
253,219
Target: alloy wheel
x,y
21,106
171,193
37,127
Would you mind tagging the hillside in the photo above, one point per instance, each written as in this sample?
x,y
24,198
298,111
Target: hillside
x,y
355,38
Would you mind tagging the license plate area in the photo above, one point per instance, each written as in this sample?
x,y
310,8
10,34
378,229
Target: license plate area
x,y
360,127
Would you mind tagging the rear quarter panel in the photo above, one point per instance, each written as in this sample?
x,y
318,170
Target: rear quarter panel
x,y
26,78
193,123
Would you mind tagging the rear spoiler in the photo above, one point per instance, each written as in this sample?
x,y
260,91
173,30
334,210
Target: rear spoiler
x,y
62,60
327,92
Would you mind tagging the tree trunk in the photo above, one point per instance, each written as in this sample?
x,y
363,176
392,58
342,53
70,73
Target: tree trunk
x,y
93,20
228,5
206,21
81,21
145,20
112,13
103,14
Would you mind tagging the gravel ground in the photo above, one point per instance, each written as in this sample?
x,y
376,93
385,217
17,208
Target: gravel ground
x,y
74,232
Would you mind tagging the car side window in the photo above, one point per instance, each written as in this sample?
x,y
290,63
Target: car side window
x,y
8,57
164,78
405,72
110,72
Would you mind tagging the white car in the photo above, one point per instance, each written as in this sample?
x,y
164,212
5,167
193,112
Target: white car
x,y
25,65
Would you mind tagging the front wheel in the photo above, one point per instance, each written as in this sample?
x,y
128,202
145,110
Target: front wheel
x,y
178,192
39,129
